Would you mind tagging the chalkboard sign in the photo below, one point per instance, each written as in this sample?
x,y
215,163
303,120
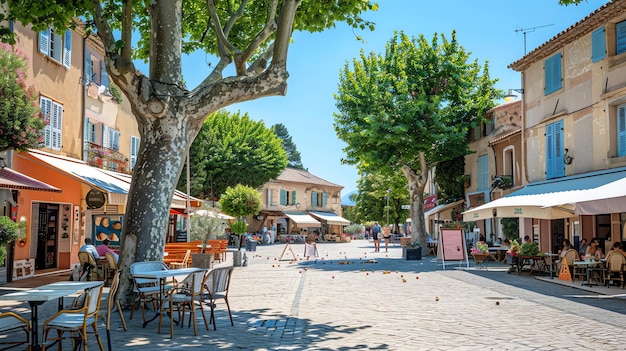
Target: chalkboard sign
x,y
452,246
181,236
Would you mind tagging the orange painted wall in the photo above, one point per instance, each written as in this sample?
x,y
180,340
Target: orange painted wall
x,y
71,194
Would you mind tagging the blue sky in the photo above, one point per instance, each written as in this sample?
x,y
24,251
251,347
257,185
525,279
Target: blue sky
x,y
491,29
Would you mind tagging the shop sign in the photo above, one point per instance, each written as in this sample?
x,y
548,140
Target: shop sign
x,y
95,199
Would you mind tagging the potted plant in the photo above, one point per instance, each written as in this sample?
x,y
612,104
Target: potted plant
x,y
412,251
480,251
205,225
8,233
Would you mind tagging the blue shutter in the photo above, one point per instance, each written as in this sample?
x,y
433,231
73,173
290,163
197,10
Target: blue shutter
x,y
620,37
598,45
44,42
104,76
283,197
549,151
134,152
483,173
293,197
324,199
67,49
559,165
314,198
621,130
88,67
552,74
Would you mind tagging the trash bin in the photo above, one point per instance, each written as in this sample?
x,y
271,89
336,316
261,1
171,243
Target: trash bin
x,y
250,245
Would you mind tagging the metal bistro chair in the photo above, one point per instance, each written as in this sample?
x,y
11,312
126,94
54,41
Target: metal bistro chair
x,y
217,283
615,269
88,266
10,322
77,321
187,294
145,290
111,266
112,302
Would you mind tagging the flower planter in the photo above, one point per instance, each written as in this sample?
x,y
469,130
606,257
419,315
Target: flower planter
x,y
412,254
202,260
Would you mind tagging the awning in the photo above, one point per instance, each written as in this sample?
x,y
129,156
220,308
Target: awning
x,y
437,209
557,198
115,184
115,188
10,179
302,219
609,198
330,218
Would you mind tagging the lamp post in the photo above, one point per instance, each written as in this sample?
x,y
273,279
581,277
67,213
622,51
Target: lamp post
x,y
388,191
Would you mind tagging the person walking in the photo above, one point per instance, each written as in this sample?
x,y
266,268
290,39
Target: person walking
x,y
376,236
387,236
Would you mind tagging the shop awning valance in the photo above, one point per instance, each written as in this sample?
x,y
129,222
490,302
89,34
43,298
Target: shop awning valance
x,y
303,220
330,218
10,179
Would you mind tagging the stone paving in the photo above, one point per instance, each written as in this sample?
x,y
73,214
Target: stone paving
x,y
342,301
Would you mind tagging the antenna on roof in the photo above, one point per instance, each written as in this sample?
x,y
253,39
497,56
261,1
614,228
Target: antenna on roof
x,y
529,30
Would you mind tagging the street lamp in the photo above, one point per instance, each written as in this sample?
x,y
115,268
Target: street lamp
x,y
388,191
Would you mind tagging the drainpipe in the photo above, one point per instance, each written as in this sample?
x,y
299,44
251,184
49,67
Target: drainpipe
x,y
82,100
523,111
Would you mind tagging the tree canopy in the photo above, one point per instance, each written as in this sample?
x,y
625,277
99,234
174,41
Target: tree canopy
x,y
250,41
20,120
411,108
232,149
293,155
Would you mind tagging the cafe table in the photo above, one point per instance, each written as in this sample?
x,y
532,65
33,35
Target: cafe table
x,y
587,265
162,276
37,296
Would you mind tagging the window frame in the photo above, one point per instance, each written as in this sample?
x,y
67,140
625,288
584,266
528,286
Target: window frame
x,y
56,46
52,112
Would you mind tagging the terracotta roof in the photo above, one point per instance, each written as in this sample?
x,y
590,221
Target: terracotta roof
x,y
610,10
300,176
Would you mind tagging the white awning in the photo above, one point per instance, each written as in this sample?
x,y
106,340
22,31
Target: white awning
x,y
302,219
330,218
590,193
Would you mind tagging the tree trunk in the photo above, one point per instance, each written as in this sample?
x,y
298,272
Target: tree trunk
x,y
417,183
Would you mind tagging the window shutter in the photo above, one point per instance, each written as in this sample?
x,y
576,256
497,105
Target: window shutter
x,y
44,42
283,197
324,199
56,124
114,139
67,49
104,76
598,45
620,37
483,173
134,152
45,106
314,198
88,68
621,130
105,136
552,74
293,197
549,151
559,165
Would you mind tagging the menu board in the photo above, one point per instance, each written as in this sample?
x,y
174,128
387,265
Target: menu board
x,y
453,244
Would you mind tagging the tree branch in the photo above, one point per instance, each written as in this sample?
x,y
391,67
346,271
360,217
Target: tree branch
x,y
283,34
269,28
261,62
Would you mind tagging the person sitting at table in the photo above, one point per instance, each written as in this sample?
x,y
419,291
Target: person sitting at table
x,y
506,244
88,247
583,247
104,248
498,242
567,245
617,248
593,250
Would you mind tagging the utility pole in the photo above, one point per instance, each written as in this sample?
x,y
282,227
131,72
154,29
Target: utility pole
x,y
529,30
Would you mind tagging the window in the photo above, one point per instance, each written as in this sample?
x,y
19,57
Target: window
x,y
508,167
318,199
53,117
287,198
114,139
483,173
555,167
134,151
621,130
56,46
598,45
95,71
90,131
552,72
620,37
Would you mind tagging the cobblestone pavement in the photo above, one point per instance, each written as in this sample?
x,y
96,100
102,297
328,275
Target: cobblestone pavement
x,y
343,301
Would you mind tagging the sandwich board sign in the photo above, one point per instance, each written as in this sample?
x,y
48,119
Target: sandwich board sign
x,y
452,247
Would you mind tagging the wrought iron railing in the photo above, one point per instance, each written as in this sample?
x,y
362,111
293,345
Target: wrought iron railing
x,y
105,158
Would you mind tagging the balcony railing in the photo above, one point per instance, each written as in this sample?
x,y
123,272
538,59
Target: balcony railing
x,y
105,158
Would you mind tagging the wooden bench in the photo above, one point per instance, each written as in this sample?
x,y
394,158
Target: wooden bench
x,y
218,249
176,251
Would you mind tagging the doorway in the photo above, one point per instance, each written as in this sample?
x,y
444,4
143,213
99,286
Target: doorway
x,y
48,222
558,234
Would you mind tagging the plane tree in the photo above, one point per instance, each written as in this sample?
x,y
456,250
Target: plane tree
x,y
410,108
249,40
